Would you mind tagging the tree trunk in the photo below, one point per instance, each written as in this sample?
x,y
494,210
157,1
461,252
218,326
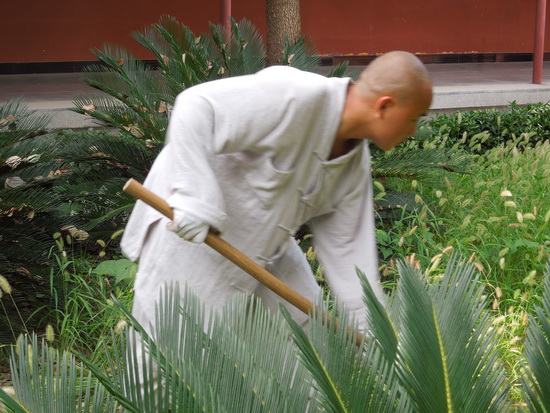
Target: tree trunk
x,y
283,19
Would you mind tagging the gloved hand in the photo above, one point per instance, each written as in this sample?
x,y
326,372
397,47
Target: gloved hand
x,y
188,227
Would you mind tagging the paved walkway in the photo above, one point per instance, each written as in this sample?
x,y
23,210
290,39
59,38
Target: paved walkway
x,y
456,86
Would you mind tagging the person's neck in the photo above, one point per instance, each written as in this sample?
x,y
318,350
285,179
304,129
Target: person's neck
x,y
345,139
342,146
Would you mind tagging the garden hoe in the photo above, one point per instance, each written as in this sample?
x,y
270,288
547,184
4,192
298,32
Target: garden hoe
x,y
135,189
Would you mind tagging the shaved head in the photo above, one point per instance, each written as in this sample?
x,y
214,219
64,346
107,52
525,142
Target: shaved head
x,y
398,74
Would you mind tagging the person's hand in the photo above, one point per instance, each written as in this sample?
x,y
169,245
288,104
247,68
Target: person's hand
x,y
188,227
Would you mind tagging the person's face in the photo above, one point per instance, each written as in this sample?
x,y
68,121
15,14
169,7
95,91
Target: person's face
x,y
396,121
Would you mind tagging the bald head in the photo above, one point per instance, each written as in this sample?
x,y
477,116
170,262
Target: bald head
x,y
398,74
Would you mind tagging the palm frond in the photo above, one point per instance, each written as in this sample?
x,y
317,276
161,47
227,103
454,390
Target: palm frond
x,y
536,380
341,70
8,402
240,51
446,353
17,122
347,378
301,54
191,55
46,380
247,50
182,365
103,107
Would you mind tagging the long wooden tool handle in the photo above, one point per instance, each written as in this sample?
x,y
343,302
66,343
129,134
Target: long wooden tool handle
x,y
134,188
138,191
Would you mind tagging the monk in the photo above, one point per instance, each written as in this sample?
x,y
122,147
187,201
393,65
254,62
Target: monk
x,y
255,157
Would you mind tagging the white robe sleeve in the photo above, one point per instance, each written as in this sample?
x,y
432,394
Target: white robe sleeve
x,y
193,186
345,239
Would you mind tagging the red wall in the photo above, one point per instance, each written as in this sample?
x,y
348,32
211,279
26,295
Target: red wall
x,y
422,26
63,30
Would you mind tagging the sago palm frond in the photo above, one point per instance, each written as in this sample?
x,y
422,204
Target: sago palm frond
x,y
440,340
46,380
105,109
184,59
301,54
347,378
536,380
109,150
17,122
341,70
64,180
245,342
242,51
139,90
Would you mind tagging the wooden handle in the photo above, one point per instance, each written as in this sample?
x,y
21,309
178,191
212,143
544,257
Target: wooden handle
x,y
138,191
134,188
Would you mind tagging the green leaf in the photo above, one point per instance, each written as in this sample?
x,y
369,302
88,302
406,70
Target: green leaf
x,y
312,360
536,380
447,356
122,270
11,403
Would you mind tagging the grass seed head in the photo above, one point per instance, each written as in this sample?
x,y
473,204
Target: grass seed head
x,y
448,184
514,340
479,267
499,319
503,252
5,285
50,335
519,216
530,279
120,325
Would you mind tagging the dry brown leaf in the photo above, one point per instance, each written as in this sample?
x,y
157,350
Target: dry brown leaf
x,y
13,182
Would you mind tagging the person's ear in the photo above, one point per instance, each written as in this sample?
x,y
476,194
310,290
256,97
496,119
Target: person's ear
x,y
383,103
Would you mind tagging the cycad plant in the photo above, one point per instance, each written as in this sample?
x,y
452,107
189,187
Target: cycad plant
x,y
536,381
137,97
64,185
432,349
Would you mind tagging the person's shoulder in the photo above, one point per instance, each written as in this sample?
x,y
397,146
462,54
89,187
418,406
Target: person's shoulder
x,y
288,72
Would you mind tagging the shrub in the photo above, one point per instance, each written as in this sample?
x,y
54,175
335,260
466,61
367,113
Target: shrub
x,y
499,126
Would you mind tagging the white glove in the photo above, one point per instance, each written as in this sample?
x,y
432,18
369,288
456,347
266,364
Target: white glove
x,y
188,227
